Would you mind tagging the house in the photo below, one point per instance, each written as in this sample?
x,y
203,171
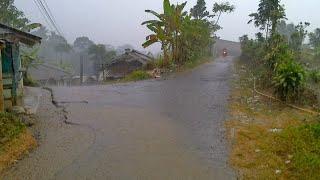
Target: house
x,y
126,63
12,76
50,75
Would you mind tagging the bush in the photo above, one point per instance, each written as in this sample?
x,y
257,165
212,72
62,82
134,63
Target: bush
x,y
10,127
303,144
137,76
289,80
314,76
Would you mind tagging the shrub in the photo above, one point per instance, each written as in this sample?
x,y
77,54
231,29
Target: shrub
x,y
137,76
289,80
314,75
10,127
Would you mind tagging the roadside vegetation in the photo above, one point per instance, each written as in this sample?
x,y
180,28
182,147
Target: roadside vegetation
x,y
15,140
185,37
277,71
137,76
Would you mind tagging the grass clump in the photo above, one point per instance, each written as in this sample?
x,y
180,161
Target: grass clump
x,y
10,127
302,145
15,140
138,76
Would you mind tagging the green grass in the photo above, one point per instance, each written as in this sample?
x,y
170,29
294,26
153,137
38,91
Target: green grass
x,y
258,153
10,127
303,144
137,76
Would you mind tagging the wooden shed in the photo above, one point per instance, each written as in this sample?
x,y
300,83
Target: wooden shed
x,y
12,76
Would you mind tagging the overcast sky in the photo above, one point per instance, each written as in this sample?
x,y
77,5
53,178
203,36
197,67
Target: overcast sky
x,y
117,22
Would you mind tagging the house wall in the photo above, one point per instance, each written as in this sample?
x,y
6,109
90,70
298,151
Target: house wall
x,y
12,77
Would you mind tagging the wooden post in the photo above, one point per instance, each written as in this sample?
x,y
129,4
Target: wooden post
x,y
1,81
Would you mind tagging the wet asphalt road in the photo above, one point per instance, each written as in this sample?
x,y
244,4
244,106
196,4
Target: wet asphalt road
x,y
156,129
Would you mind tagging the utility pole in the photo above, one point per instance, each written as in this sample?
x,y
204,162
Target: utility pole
x,y
81,70
2,46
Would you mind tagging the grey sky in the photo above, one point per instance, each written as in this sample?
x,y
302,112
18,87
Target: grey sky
x,y
117,22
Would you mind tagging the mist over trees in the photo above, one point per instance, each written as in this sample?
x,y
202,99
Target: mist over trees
x,y
56,50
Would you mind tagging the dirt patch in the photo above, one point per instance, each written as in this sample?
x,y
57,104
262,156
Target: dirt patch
x,y
16,148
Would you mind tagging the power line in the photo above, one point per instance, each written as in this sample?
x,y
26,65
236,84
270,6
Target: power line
x,y
49,17
50,13
43,15
46,12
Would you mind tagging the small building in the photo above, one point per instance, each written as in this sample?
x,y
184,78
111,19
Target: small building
x,y
50,75
126,63
12,76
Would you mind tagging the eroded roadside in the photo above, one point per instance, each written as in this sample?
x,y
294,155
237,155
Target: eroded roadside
x,y
59,144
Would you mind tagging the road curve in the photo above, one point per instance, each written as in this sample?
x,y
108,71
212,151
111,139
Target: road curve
x,y
156,129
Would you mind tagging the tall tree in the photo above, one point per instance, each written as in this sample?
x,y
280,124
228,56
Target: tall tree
x,y
220,8
12,16
61,46
268,15
298,36
199,11
82,43
285,29
315,38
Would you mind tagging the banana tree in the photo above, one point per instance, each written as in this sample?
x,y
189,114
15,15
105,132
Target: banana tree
x,y
160,31
166,28
29,59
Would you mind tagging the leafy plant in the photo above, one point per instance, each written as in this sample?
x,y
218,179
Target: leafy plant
x,y
289,80
314,75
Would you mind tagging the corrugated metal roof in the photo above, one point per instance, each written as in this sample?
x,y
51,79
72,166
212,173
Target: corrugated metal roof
x,y
7,32
47,71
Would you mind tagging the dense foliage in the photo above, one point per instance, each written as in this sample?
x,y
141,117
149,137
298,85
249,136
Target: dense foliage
x,y
289,80
184,36
278,55
13,17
